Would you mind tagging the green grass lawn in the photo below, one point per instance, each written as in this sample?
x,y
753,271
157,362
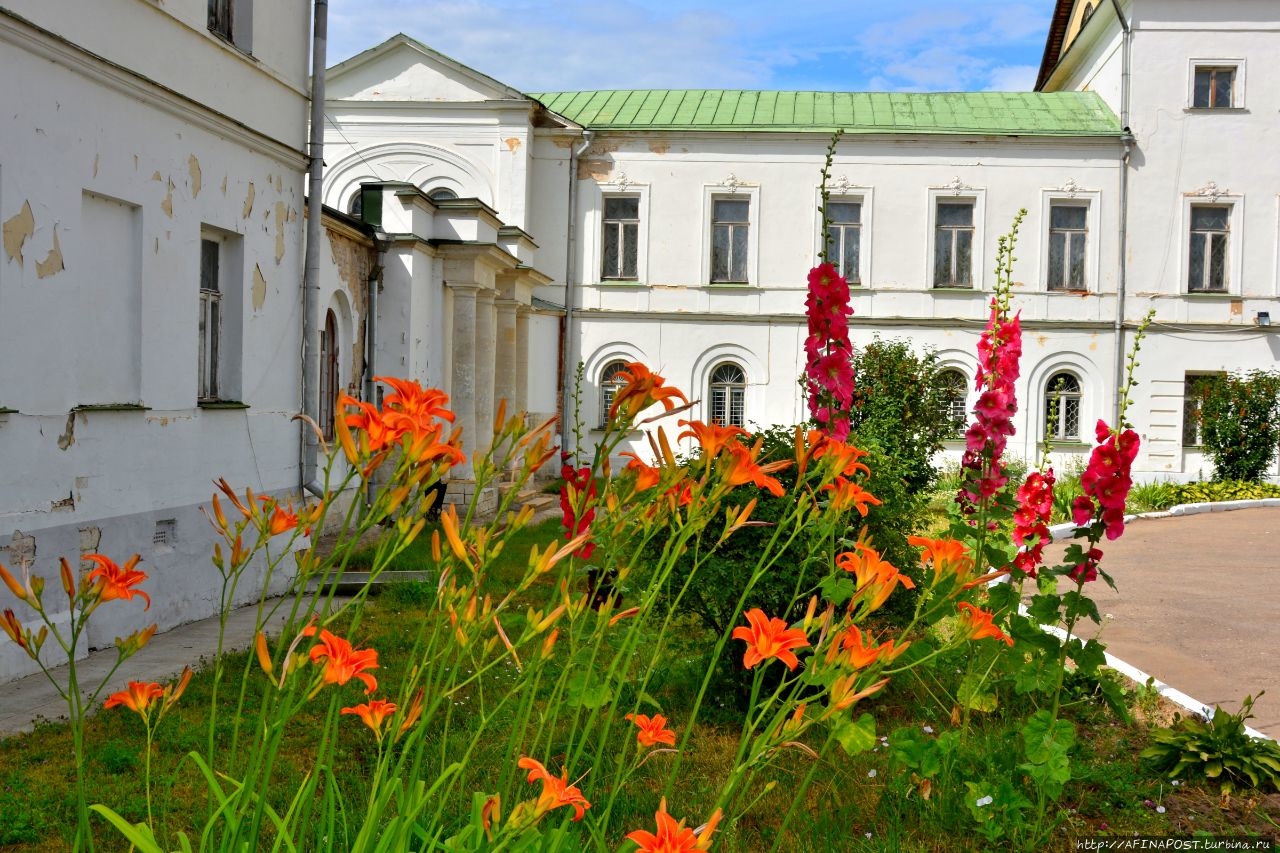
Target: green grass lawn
x,y
856,803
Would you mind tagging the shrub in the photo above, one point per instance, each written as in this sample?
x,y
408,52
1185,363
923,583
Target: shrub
x,y
1240,423
1217,749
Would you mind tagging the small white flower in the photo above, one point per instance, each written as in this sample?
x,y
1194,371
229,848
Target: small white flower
x,y
1176,782
928,729
871,774
1159,809
866,835
984,801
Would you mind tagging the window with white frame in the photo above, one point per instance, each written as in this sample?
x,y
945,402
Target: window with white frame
x,y
726,395
1194,387
730,240
620,238
1213,87
1207,267
1062,407
442,194
955,391
610,382
844,238
330,372
1068,236
232,21
953,241
210,323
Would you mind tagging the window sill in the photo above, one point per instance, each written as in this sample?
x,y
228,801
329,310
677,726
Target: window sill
x,y
111,407
1068,444
1068,291
1195,110
620,282
1210,294
956,290
221,404
7,411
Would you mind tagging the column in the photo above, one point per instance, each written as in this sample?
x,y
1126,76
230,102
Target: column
x,y
522,359
486,344
504,371
462,391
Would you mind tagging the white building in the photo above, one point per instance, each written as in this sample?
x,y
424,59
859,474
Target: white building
x,y
149,284
1135,159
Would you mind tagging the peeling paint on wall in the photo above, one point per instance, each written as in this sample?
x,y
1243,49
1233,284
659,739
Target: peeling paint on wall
x,y
68,436
156,176
279,184
21,550
52,263
248,202
224,184
67,504
95,164
259,288
512,143
596,170
90,540
17,230
193,169
659,147
282,216
167,204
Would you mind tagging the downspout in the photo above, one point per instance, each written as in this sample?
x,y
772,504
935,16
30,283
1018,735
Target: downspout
x,y
1122,271
570,365
311,266
381,241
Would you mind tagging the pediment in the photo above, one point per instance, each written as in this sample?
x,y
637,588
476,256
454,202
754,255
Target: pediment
x,y
404,69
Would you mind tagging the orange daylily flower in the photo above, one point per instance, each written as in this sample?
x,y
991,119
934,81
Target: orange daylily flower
x,y
412,400
843,696
640,389
140,695
652,730
846,458
282,520
118,581
556,790
743,468
673,836
846,494
769,638
712,438
975,624
862,651
342,661
946,556
647,476
373,713
876,578
137,698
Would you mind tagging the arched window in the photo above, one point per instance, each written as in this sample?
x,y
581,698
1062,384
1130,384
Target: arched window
x,y
726,395
1062,407
1086,14
441,194
328,373
356,206
955,395
610,381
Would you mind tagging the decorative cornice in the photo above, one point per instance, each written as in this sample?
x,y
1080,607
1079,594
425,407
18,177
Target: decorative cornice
x,y
733,183
1071,188
956,186
1210,191
841,184
622,182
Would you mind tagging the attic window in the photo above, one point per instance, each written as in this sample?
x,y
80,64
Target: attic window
x,y
441,194
1089,9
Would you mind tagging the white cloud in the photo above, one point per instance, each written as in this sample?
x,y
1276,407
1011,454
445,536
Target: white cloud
x,y
1012,78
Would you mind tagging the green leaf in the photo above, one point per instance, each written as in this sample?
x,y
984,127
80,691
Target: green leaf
x,y
585,691
1089,656
857,737
974,694
1078,604
1044,609
139,835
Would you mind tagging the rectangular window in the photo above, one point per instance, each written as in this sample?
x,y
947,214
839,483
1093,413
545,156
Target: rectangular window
x,y
210,324
1207,255
953,244
1214,88
621,238
232,21
730,233
220,18
1192,395
844,238
1067,235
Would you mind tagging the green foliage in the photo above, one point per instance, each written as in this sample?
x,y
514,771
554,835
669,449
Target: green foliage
x,y
1240,423
118,757
1165,495
1218,750
900,405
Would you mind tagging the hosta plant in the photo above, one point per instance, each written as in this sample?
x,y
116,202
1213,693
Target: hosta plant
x,y
1218,749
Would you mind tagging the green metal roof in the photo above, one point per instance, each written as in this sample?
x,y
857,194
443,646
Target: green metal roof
x,y
1003,113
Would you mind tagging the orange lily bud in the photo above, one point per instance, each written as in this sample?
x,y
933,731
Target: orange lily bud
x,y
503,634
667,456
491,813
449,522
549,643
344,438
9,622
808,614
68,580
217,555
231,496
37,590
415,711
12,582
435,546
549,620
177,689
500,417
705,831
218,515
264,656
630,611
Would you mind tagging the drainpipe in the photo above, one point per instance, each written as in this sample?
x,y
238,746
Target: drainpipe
x,y
381,241
311,266
569,367
1122,271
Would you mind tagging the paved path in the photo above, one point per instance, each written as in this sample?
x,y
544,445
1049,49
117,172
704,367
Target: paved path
x,y
1198,605
33,698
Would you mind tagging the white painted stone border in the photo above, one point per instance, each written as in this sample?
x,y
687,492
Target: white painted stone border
x,y
1067,529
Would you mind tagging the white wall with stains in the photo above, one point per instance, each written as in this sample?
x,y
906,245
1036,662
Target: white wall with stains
x,y
127,137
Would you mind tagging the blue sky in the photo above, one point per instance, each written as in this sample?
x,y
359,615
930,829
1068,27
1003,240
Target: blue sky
x,y
840,45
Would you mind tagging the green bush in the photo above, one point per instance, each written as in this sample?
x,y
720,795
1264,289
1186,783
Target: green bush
x,y
1160,496
1240,423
